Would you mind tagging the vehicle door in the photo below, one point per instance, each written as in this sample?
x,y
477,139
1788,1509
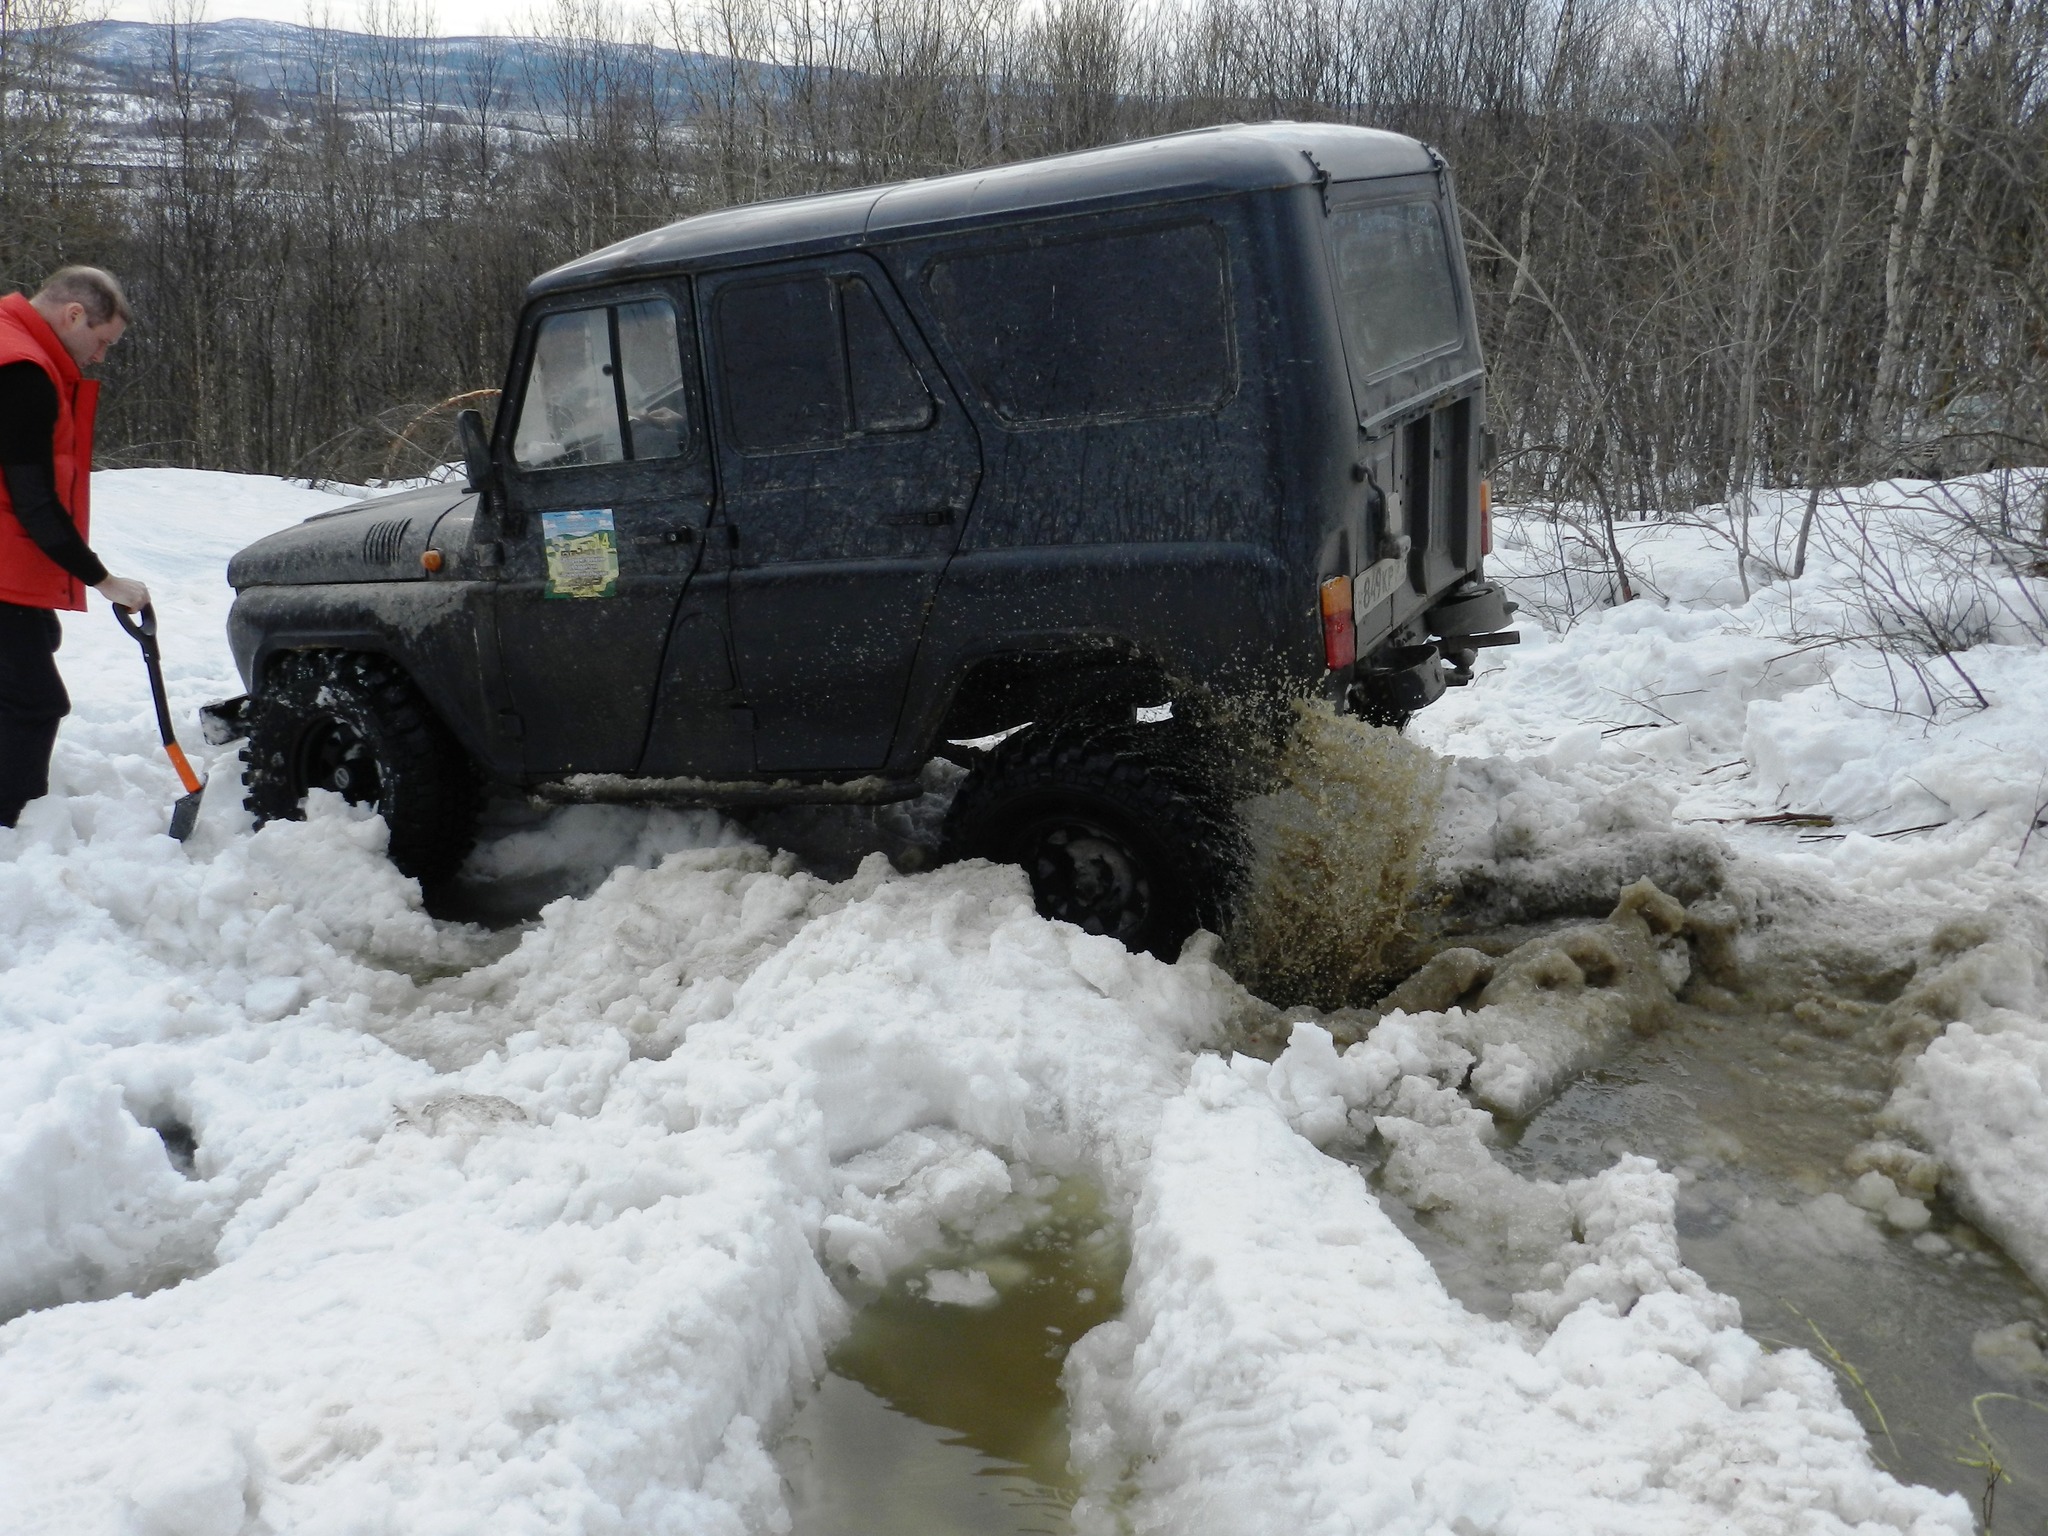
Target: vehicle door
x,y
847,468
608,487
1413,354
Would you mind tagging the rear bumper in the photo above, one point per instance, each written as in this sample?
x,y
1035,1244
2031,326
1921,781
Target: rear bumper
x,y
1399,678
1468,620
1477,608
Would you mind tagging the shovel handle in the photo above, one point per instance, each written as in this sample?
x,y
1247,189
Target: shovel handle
x,y
142,626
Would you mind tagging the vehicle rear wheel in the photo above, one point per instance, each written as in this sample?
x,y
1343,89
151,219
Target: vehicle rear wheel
x,y
1116,839
356,725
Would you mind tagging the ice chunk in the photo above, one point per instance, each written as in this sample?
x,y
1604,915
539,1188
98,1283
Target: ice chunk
x,y
1906,1214
896,1201
1558,1004
2013,1352
1873,1192
960,1288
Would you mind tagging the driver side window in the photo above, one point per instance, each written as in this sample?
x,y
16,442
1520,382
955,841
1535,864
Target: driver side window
x,y
606,386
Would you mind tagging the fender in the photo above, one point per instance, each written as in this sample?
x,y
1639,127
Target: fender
x,y
440,632
1036,681
1191,610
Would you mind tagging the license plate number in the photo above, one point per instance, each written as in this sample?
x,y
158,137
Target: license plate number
x,y
1374,585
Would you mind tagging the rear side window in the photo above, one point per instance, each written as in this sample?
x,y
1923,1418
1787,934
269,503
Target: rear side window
x,y
888,396
1395,289
605,386
811,362
1132,323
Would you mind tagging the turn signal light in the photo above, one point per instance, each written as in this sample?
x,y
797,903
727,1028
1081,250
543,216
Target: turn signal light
x,y
430,560
1486,517
1340,631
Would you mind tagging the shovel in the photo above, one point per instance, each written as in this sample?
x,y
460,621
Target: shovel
x,y
185,813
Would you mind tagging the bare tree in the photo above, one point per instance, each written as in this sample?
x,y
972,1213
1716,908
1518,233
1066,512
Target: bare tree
x,y
1718,244
49,205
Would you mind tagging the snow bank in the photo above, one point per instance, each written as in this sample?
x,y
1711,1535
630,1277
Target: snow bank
x,y
568,1285
1977,1094
1287,1363
546,1238
1709,708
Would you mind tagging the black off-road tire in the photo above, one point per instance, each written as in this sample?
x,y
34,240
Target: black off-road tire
x,y
355,724
1119,831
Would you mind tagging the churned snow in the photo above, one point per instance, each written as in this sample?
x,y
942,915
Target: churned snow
x,y
321,1215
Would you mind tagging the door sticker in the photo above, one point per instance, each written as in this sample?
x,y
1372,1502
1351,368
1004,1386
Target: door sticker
x,y
583,553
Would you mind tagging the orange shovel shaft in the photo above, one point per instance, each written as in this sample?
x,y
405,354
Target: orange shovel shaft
x,y
176,754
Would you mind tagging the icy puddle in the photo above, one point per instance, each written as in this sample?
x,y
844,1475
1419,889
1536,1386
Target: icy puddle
x,y
941,1412
1756,1114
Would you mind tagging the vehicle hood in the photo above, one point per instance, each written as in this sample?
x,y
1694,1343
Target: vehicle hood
x,y
380,540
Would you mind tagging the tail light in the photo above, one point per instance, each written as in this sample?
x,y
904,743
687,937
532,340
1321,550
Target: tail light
x,y
1340,630
1486,517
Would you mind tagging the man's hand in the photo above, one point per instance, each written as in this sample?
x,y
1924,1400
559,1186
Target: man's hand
x,y
124,592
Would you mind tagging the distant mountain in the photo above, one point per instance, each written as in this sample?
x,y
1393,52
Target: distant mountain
x,y
300,60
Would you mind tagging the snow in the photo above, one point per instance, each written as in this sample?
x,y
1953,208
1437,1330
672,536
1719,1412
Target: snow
x,y
1287,1363
1783,702
551,1230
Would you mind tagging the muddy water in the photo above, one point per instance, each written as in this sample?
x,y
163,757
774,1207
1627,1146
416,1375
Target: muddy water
x,y
1756,1112
1337,854
941,1412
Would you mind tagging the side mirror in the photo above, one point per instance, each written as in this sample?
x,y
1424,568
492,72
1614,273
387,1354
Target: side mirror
x,y
476,451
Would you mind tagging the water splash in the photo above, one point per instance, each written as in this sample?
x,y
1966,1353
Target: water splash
x,y
1337,858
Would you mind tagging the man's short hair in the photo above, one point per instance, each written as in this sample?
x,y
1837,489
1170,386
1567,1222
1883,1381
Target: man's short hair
x,y
98,291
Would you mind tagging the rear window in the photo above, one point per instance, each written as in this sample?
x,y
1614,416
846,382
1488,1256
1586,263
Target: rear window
x,y
1395,288
1133,323
812,361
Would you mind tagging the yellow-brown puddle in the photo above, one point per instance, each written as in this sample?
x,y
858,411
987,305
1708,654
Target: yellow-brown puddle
x,y
939,1418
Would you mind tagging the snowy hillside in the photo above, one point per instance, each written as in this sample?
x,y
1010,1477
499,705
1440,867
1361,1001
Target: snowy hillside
x,y
319,1214
287,57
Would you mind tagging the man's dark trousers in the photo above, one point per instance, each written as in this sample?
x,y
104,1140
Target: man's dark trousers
x,y
32,701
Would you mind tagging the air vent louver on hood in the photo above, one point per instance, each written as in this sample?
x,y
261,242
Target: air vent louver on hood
x,y
381,545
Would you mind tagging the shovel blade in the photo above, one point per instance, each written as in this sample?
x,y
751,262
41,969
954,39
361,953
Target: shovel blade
x,y
185,813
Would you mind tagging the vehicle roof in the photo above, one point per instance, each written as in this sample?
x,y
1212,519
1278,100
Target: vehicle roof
x,y
1204,162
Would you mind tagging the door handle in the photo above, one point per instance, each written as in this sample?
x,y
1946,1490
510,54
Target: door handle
x,y
933,517
668,536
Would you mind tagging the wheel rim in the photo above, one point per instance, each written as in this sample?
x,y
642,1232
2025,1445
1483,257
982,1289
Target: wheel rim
x,y
333,755
1086,874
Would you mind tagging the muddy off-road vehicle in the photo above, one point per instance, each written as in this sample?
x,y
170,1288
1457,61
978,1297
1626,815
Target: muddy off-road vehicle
x,y
1127,448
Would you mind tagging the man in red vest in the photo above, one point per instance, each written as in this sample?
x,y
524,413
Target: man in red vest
x,y
46,416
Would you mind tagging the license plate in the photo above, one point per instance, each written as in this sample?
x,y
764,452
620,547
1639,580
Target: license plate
x,y
1374,585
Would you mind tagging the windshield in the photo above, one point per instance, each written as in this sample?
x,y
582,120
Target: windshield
x,y
1395,288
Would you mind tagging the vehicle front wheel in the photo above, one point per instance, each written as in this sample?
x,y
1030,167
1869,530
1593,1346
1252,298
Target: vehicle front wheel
x,y
1115,840
356,725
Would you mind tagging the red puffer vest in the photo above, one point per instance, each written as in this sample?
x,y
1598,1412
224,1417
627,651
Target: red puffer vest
x,y
27,575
